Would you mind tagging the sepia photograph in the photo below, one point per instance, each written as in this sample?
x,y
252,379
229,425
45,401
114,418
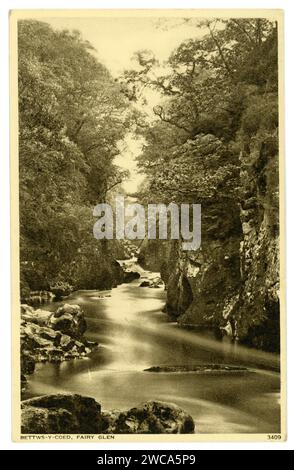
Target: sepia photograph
x,y
147,225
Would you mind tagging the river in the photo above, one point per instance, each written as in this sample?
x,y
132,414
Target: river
x,y
133,334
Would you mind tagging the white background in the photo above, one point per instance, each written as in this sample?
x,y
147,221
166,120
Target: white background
x,y
5,315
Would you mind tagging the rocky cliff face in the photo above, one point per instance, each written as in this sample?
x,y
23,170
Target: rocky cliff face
x,y
232,282
256,313
200,282
153,254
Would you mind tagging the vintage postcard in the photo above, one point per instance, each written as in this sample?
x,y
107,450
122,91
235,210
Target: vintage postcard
x,y
147,225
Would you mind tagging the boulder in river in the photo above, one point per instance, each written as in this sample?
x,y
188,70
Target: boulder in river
x,y
76,414
152,283
200,369
151,417
69,319
61,289
130,276
62,413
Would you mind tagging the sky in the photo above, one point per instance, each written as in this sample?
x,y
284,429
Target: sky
x,y
116,40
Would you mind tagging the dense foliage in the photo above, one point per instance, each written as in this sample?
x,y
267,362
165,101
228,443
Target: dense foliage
x,y
219,92
71,117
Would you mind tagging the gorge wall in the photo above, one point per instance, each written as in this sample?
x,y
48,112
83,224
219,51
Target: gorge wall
x,y
232,282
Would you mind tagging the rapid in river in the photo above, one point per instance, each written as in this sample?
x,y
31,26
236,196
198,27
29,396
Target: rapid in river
x,y
134,334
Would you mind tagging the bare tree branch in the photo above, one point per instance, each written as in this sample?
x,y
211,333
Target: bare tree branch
x,y
243,29
219,48
158,111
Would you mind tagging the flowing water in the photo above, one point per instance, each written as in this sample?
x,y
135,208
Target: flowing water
x,y
133,334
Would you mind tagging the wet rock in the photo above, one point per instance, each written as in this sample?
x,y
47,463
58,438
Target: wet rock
x,y
152,417
54,354
61,290
39,342
41,317
35,336
61,339
200,369
152,283
156,283
69,319
79,346
62,323
66,342
62,413
75,414
130,276
29,314
44,421
50,334
27,310
109,421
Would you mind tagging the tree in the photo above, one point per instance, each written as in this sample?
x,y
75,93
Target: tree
x,y
208,87
71,117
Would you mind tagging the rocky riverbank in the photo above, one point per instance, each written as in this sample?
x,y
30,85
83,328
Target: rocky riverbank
x,y
59,336
76,414
52,336
98,270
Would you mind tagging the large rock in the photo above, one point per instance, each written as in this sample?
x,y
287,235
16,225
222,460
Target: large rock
x,y
44,421
153,254
35,336
130,276
152,283
62,413
210,369
256,313
69,319
152,417
66,342
29,314
75,414
42,317
61,289
62,339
